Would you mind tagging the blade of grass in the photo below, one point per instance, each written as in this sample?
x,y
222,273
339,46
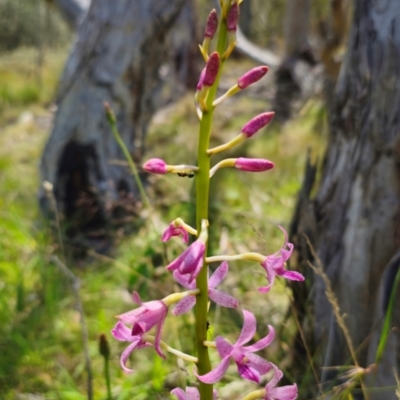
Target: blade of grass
x,y
388,318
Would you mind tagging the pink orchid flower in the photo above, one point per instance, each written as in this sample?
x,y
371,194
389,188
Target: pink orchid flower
x,y
250,366
274,264
272,392
142,319
175,231
191,393
124,334
217,296
190,261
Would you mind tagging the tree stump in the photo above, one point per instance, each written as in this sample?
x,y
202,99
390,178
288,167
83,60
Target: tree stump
x,y
116,58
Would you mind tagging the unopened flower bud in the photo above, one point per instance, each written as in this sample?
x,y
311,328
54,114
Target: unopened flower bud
x,y
254,164
258,122
104,347
252,76
200,83
155,166
212,24
232,18
211,71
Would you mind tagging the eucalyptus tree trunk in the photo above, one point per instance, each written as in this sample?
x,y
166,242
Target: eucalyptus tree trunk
x,y
294,76
117,58
353,221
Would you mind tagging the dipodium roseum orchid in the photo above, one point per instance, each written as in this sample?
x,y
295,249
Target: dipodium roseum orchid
x,y
221,298
274,265
178,228
143,318
191,260
191,393
250,366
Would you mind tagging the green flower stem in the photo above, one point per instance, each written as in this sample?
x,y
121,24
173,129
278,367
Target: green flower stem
x,y
107,377
257,394
164,346
202,199
113,124
244,256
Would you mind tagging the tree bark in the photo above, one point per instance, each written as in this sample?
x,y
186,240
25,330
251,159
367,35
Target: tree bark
x,y
296,76
117,58
353,222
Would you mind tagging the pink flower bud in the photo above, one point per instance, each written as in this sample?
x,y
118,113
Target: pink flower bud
x,y
252,76
201,79
211,71
155,166
232,17
254,164
257,123
212,24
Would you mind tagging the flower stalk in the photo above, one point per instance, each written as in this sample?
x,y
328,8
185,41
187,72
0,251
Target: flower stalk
x,y
202,205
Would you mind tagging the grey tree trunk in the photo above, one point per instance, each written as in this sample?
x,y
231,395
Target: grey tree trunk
x,y
117,58
353,221
295,76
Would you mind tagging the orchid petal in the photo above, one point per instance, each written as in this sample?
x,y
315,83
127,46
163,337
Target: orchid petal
x,y
224,348
222,298
216,374
285,234
184,280
258,363
262,343
194,255
122,332
179,393
127,352
270,276
278,374
173,265
284,392
249,373
192,393
136,298
291,275
157,339
219,274
248,329
184,305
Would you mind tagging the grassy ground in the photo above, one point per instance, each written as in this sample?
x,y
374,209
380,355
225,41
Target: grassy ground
x,y
41,347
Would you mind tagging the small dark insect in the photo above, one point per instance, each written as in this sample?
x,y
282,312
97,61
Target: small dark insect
x,y
208,325
189,174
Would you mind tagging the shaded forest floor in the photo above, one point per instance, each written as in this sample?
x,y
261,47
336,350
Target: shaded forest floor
x,y
40,334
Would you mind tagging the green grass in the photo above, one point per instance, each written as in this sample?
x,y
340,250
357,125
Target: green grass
x,y
40,335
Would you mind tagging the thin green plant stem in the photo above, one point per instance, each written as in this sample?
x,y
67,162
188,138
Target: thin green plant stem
x,y
107,377
388,319
113,124
202,204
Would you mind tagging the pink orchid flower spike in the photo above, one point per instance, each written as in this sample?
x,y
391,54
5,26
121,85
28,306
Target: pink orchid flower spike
x,y
274,264
142,319
272,392
124,334
250,366
173,230
191,393
219,297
